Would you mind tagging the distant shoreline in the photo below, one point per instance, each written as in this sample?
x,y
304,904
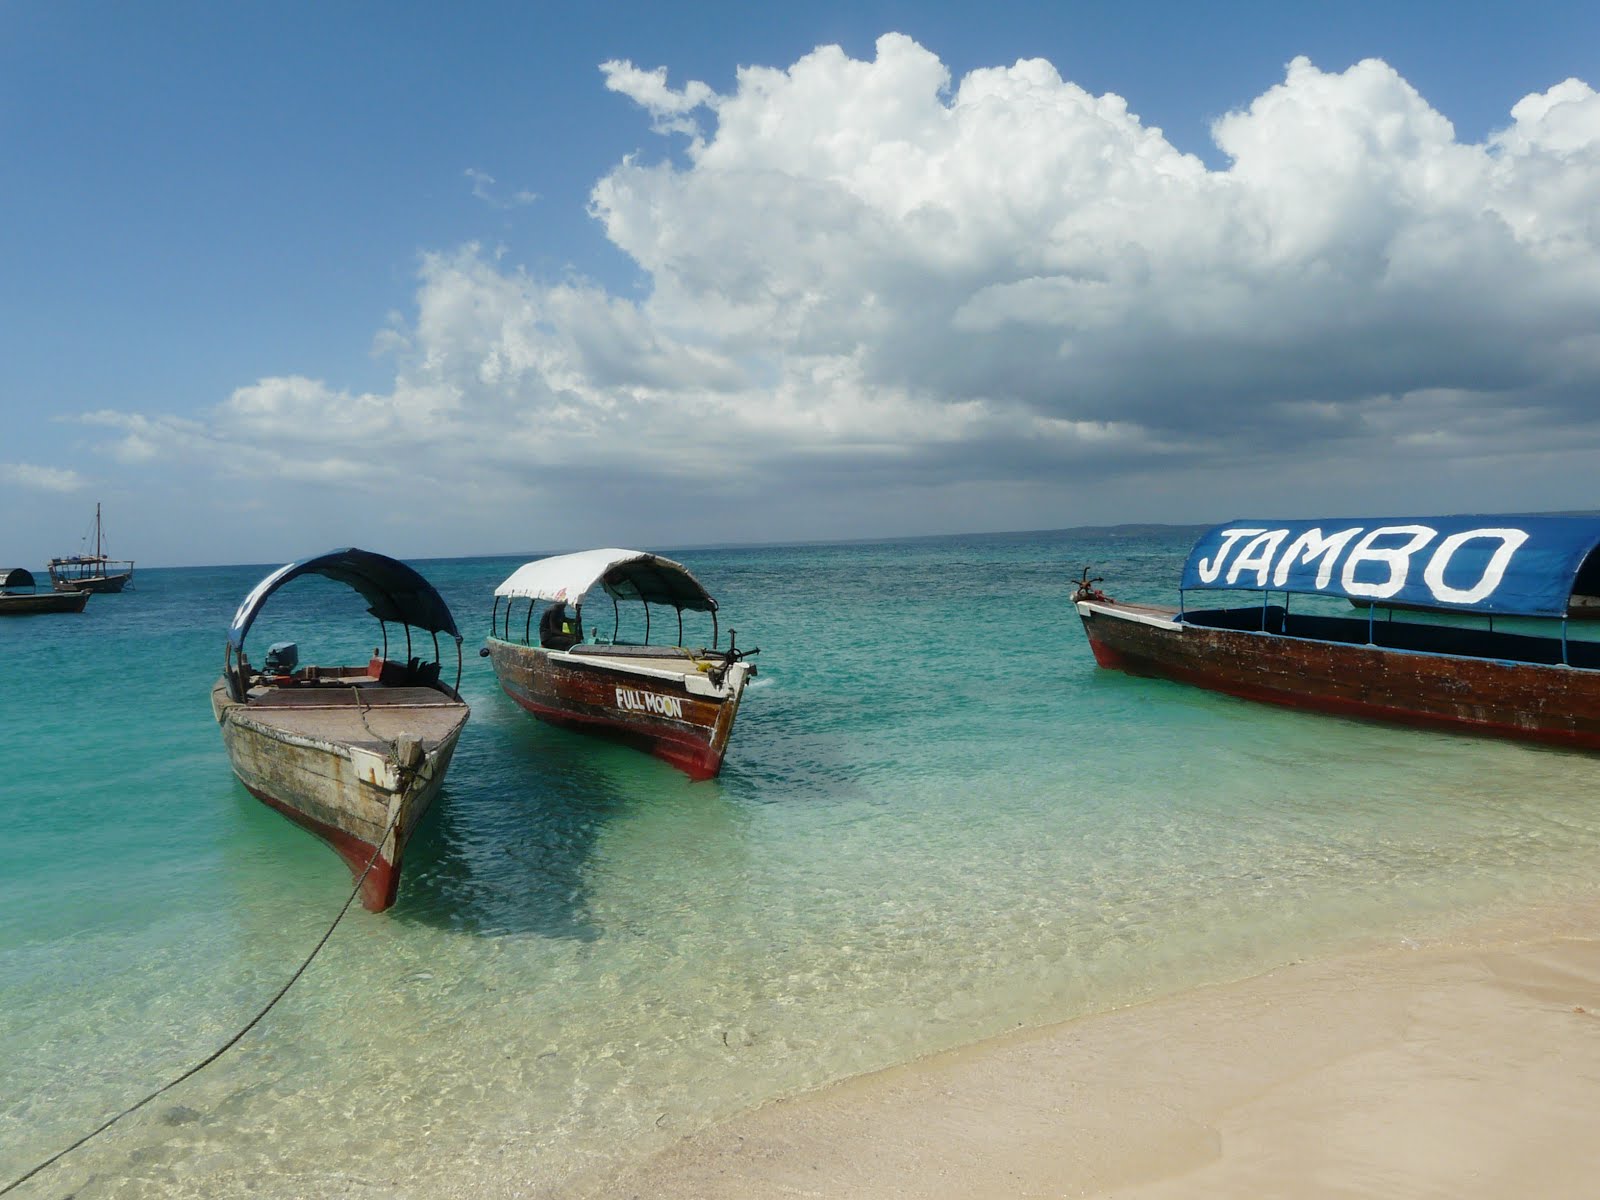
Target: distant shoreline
x,y
1126,529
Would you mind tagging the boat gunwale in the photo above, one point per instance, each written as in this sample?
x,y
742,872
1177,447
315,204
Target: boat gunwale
x,y
606,664
1176,622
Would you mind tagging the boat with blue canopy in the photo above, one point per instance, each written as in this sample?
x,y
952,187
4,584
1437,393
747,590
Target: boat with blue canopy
x,y
1467,621
354,753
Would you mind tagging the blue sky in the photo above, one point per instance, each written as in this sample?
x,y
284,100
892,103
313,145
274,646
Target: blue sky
x,y
280,277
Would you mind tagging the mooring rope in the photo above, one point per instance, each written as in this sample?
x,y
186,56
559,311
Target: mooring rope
x,y
234,1040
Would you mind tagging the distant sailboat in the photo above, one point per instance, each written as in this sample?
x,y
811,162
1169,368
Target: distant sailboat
x,y
91,572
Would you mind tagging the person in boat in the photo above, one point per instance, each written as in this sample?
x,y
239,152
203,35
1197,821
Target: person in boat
x,y
557,630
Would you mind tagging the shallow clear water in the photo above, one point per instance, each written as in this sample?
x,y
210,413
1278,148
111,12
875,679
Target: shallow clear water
x,y
938,821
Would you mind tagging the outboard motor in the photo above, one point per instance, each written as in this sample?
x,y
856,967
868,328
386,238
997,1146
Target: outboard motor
x,y
282,659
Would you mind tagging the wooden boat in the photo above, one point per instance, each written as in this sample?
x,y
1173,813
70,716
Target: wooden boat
x,y
1528,681
672,701
91,572
355,754
16,602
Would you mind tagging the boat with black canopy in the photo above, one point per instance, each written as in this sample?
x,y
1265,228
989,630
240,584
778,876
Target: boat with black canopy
x,y
19,595
354,753
671,700
1466,623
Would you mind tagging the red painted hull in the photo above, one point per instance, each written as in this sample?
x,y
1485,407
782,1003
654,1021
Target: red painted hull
x,y
333,766
690,730
1557,705
381,887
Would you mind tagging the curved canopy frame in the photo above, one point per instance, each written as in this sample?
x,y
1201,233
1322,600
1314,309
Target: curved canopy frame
x,y
392,590
17,577
1493,564
624,574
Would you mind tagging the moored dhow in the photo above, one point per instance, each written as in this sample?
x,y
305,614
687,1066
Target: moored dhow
x,y
91,572
356,754
1426,650
672,701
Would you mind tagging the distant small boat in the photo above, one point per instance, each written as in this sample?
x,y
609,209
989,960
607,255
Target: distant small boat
x,y
16,602
671,701
91,572
1472,677
355,754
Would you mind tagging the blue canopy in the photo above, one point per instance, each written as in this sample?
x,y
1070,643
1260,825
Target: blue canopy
x,y
1512,565
392,590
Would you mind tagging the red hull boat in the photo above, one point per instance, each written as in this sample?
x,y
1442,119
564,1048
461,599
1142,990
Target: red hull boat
x,y
354,754
1434,659
671,701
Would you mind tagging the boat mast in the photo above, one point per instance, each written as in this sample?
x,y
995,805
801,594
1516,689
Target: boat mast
x,y
97,529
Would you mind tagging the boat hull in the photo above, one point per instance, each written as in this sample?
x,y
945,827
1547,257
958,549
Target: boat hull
x,y
93,583
43,602
686,720
1554,704
359,799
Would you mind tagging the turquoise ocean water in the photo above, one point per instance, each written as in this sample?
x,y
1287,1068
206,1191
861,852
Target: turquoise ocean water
x,y
938,821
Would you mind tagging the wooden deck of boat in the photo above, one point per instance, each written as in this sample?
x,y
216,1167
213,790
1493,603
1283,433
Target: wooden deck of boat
x,y
370,717
351,695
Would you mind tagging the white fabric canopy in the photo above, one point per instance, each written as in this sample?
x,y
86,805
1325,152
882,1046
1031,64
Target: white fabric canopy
x,y
625,575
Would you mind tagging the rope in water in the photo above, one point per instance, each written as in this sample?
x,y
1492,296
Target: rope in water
x,y
232,1041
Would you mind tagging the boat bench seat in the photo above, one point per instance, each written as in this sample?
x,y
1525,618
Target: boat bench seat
x,y
623,650
340,697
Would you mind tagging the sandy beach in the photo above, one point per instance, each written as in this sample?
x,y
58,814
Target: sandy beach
x,y
1465,1067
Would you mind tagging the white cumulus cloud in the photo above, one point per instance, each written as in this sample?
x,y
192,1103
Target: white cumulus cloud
x,y
866,279
37,478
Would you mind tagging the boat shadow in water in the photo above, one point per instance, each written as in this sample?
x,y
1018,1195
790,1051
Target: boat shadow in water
x,y
512,851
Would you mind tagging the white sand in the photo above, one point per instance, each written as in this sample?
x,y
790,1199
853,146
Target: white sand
x,y
1462,1069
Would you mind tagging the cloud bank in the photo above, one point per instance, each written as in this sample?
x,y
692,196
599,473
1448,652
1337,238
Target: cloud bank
x,y
880,300
43,479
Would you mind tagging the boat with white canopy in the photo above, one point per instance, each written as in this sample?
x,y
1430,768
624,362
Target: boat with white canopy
x,y
669,699
356,754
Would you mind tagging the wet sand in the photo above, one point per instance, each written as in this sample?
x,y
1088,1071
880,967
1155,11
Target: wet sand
x,y
1467,1067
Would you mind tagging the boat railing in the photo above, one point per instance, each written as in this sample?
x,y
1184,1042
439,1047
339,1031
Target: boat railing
x,y
1553,648
413,672
501,624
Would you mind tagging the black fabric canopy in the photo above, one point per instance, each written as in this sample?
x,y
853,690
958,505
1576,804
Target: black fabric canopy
x,y
392,590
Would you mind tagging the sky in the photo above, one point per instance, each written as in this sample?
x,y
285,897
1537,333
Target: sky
x,y
526,277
